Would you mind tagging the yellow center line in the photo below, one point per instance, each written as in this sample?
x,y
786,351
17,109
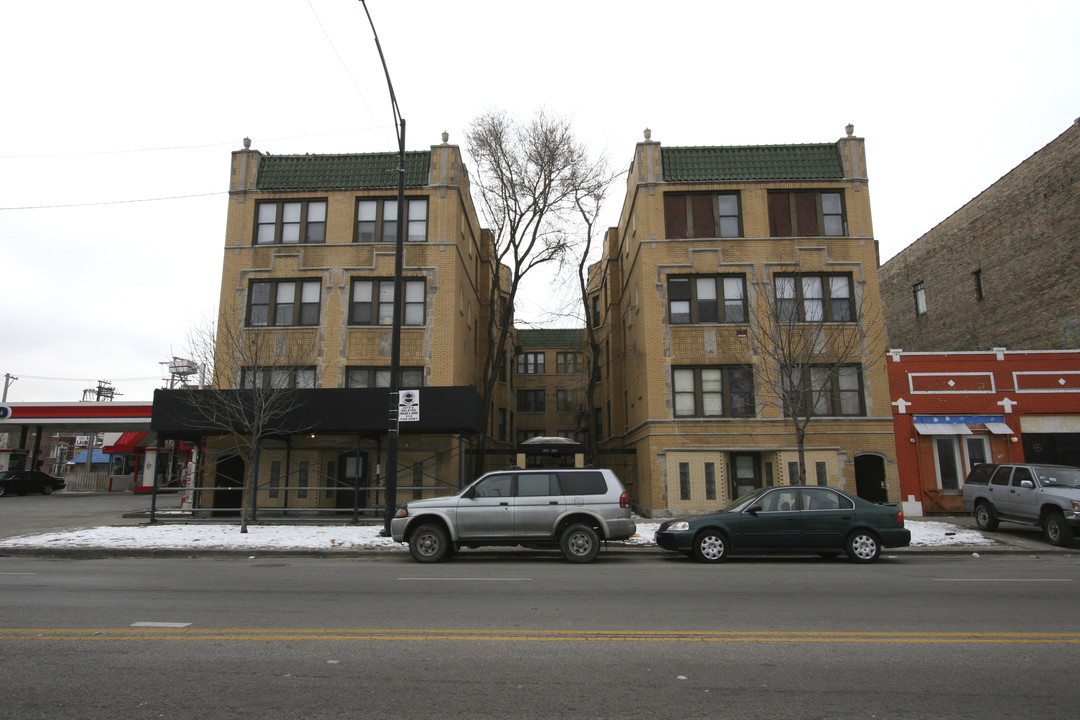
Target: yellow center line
x,y
766,636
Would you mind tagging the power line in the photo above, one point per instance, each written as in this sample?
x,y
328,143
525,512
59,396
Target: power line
x,y
170,148
114,202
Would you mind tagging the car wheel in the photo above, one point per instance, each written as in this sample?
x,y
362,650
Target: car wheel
x,y
579,543
429,543
3,490
985,517
710,546
863,546
46,489
1057,531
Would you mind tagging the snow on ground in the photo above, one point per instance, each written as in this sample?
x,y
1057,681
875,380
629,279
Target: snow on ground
x,y
349,537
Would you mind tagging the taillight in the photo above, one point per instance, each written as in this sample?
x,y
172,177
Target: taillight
x,y
624,500
900,517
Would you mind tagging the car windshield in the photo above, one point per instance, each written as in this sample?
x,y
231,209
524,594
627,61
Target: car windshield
x,y
1069,477
743,502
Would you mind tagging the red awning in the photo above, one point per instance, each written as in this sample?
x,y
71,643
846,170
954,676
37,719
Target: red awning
x,y
126,443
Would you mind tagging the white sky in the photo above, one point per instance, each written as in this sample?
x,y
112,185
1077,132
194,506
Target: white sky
x,y
113,102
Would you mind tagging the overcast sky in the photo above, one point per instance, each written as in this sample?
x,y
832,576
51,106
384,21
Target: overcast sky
x,y
120,118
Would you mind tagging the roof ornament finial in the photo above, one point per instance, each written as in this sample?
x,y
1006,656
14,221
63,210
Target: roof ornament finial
x,y
648,134
247,143
445,137
849,129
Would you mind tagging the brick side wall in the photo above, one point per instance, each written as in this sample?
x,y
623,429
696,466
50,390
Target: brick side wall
x,y
1022,234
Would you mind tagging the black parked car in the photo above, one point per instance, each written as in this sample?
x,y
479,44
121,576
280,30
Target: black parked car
x,y
789,519
21,482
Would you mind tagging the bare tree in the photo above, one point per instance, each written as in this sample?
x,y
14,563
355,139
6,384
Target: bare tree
x,y
529,177
252,395
814,348
588,202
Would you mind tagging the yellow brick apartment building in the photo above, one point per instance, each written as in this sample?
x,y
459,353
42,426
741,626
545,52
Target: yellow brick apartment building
x,y
708,240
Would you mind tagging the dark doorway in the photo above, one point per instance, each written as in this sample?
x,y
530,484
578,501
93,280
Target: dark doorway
x,y
352,472
745,473
228,486
870,478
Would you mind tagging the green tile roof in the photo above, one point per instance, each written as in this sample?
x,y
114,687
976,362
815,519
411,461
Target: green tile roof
x,y
573,338
341,172
752,162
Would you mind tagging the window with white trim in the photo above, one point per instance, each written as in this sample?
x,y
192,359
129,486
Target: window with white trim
x,y
376,219
290,221
814,298
706,299
284,302
372,302
712,392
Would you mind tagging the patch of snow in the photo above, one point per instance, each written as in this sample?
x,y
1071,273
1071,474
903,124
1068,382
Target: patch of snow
x,y
353,537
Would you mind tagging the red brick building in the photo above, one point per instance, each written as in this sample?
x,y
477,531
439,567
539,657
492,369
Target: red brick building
x,y
953,410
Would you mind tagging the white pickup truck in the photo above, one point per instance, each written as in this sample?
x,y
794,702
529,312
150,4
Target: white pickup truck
x,y
1044,495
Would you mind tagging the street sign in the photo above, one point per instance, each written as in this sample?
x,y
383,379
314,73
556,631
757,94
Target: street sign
x,y
409,406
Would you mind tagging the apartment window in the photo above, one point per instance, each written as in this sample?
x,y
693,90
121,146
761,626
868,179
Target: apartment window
x,y
977,277
701,215
814,298
562,401
290,221
594,307
377,220
707,299
373,302
919,291
275,478
684,481
710,481
379,377
822,471
713,392
284,302
278,378
503,423
303,477
806,213
531,401
531,363
575,435
827,389
568,363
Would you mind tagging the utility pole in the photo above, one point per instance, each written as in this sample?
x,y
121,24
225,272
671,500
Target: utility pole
x,y
8,379
390,504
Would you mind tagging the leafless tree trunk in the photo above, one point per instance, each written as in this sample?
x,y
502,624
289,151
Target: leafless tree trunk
x,y
528,179
252,395
588,203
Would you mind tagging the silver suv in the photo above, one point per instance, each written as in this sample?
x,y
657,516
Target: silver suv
x,y
1043,495
573,509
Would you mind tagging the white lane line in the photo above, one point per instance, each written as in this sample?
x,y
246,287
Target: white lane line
x,y
160,625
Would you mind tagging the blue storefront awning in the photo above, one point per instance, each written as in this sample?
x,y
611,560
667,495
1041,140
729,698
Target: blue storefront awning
x,y
98,458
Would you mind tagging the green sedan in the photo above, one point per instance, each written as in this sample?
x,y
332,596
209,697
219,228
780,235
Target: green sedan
x,y
789,519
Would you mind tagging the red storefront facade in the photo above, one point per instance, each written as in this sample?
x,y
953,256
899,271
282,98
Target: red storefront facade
x,y
953,410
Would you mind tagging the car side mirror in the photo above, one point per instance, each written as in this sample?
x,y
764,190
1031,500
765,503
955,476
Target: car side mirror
x,y
1027,484
754,509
